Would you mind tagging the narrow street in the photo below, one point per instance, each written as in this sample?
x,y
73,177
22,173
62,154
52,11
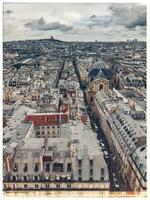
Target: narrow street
x,y
59,76
96,127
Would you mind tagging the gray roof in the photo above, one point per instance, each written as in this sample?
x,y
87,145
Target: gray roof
x,y
140,158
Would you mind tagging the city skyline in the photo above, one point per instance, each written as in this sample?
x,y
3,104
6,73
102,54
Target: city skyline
x,y
74,99
74,22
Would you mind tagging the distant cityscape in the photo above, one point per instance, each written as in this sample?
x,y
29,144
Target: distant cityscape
x,y
74,115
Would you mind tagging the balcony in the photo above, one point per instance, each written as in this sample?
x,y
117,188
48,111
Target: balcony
x,y
62,176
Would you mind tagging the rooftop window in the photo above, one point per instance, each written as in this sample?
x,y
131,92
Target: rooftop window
x,y
142,148
136,158
135,143
140,166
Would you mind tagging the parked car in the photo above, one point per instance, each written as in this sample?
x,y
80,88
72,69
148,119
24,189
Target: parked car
x,y
106,154
116,183
101,140
102,145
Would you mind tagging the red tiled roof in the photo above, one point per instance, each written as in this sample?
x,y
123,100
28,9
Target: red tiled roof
x,y
47,120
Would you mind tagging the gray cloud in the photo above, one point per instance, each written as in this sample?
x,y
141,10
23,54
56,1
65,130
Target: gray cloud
x,y
41,25
129,16
140,21
95,21
87,22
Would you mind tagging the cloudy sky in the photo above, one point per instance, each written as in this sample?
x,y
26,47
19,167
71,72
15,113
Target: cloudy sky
x,y
74,22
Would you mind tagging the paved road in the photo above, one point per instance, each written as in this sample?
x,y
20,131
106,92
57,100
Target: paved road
x,y
109,161
100,136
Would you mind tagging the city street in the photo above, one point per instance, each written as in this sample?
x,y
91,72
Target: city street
x,y
100,136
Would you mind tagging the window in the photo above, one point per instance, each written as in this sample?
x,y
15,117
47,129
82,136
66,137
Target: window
x,y
36,167
140,166
37,127
38,134
36,154
24,155
142,149
68,186
19,155
53,126
15,167
48,132
14,178
14,186
25,178
145,176
91,178
36,178
102,178
25,186
100,87
102,171
43,132
80,172
91,162
58,186
47,186
80,179
69,167
5,187
25,169
91,172
58,167
79,162
36,186
136,158
47,167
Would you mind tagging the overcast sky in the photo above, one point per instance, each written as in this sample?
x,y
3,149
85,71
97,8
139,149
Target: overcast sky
x,y
74,22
